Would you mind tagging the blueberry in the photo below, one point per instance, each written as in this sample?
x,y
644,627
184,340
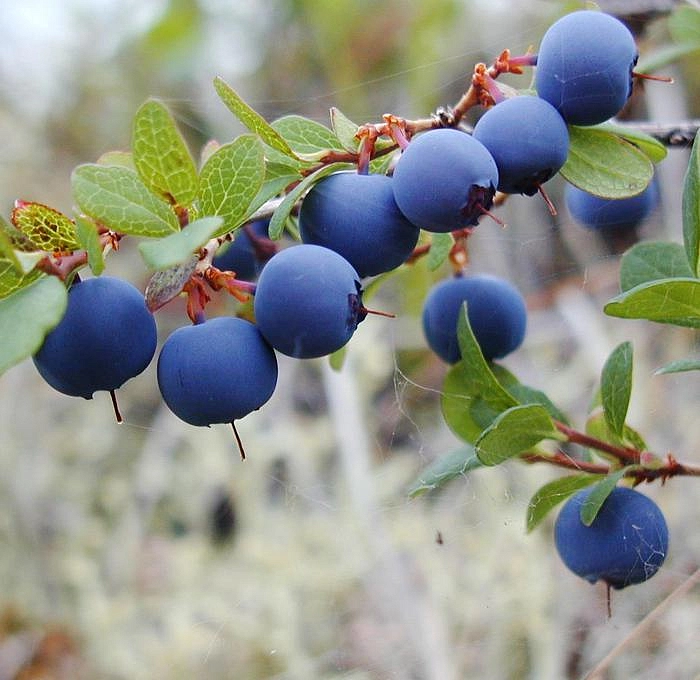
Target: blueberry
x,y
496,311
608,214
217,371
445,180
106,337
584,66
308,301
244,256
528,139
356,216
626,543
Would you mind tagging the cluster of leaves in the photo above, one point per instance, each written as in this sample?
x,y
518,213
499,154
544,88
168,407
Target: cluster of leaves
x,y
501,419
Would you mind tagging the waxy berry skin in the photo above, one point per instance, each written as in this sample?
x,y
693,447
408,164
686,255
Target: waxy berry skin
x,y
528,139
584,66
217,371
106,337
626,544
356,216
308,301
241,255
495,308
445,180
608,214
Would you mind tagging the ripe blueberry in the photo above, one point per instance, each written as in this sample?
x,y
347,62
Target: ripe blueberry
x,y
217,371
244,255
496,311
445,180
308,301
356,216
528,139
584,66
607,214
106,337
626,543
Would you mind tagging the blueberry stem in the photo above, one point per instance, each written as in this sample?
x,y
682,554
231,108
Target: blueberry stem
x,y
239,442
115,406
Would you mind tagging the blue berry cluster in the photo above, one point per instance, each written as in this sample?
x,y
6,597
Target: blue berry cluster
x,y
353,225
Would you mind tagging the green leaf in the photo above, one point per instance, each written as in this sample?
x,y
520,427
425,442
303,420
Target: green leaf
x,y
122,158
444,469
337,358
651,146
345,130
595,499
669,54
476,370
7,252
529,395
47,228
653,260
616,387
285,208
515,431
679,366
27,316
115,197
605,165
231,179
440,246
12,280
550,495
270,189
597,426
12,239
251,118
684,25
178,248
308,139
691,209
168,284
459,406
161,156
89,240
675,301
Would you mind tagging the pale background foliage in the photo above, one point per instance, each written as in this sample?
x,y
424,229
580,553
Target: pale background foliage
x,y
331,571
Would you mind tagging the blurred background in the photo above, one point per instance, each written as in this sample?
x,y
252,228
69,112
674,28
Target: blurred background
x,y
149,550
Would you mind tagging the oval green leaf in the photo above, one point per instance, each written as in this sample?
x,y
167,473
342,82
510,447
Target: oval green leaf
x,y
178,248
652,147
440,247
89,239
596,498
616,387
552,494
605,165
231,179
651,261
307,137
691,209
46,228
444,469
675,301
27,316
161,156
477,371
515,431
251,118
118,199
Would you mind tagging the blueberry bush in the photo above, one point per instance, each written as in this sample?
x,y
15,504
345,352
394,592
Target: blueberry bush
x,y
358,204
